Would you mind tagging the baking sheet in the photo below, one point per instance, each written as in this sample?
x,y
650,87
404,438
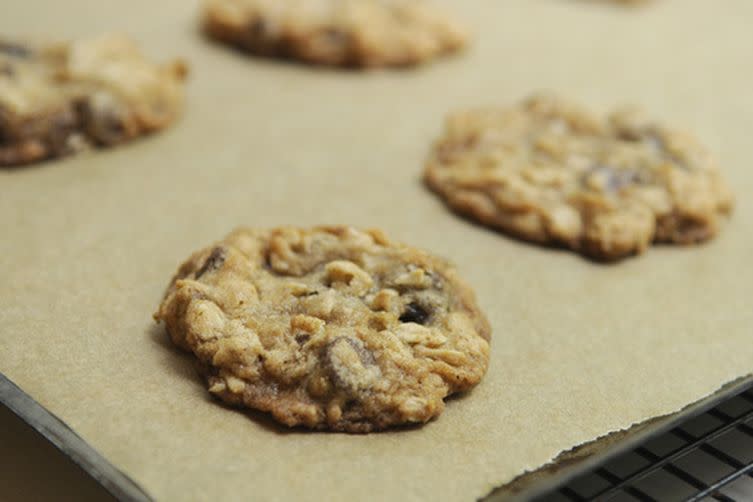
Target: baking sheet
x,y
579,349
27,457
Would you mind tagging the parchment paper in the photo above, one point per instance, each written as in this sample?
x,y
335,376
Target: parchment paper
x,y
579,349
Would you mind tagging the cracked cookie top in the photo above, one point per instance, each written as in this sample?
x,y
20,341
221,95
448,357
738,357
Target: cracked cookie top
x,y
328,328
336,32
549,171
58,99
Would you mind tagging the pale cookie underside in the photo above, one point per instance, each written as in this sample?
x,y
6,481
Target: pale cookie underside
x,y
548,171
328,328
356,33
59,99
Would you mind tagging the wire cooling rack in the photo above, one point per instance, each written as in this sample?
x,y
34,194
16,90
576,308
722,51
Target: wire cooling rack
x,y
709,457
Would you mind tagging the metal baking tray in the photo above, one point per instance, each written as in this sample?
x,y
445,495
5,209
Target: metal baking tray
x,y
533,485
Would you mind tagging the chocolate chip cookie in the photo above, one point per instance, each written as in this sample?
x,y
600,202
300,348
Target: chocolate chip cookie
x,y
62,98
328,328
549,171
356,33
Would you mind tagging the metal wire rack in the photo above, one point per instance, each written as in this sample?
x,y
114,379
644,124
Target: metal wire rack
x,y
709,457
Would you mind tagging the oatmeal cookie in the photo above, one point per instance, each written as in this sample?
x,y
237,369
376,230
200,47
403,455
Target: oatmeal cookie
x,y
356,33
328,328
549,171
58,99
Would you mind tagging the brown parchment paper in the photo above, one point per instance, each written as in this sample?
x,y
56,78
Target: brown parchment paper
x,y
579,349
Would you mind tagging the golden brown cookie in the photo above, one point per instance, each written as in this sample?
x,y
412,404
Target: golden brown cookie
x,y
551,172
58,99
336,32
328,328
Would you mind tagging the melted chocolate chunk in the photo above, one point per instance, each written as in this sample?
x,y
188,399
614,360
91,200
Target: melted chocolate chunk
x,y
616,179
102,124
215,261
15,50
341,375
414,313
302,338
630,135
335,36
108,129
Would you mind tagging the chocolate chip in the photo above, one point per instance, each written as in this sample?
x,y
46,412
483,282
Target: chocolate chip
x,y
109,129
302,338
335,36
102,122
7,70
616,178
215,261
632,135
342,376
414,313
15,50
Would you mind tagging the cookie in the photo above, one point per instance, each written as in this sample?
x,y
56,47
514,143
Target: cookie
x,y
356,33
328,328
59,99
549,171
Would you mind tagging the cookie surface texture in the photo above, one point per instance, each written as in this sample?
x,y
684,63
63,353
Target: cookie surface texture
x,y
353,33
328,328
58,99
549,171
